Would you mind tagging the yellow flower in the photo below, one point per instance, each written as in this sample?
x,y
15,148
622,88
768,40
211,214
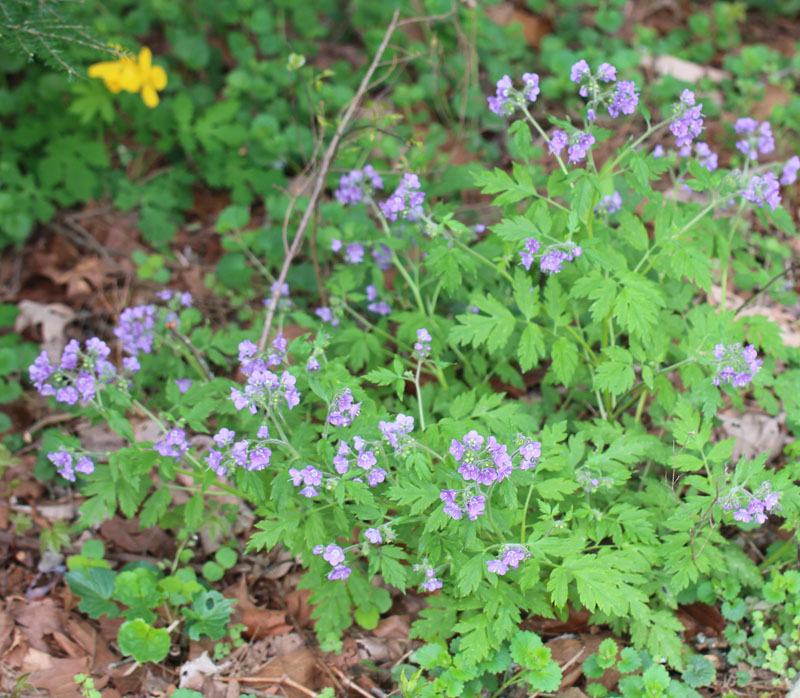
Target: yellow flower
x,y
153,77
132,76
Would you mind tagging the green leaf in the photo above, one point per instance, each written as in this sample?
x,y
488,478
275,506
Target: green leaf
x,y
137,589
564,355
542,674
209,615
143,641
531,347
630,661
193,511
470,575
493,329
212,571
95,586
226,557
607,653
120,424
615,373
699,671
656,680
433,656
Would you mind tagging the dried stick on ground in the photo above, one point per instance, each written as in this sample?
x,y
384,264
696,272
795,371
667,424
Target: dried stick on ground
x,y
319,181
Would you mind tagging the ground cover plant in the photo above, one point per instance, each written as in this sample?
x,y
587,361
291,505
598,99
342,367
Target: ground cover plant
x,y
512,411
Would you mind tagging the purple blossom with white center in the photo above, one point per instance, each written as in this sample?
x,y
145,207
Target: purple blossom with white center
x,y
432,583
85,383
579,71
382,256
84,465
224,437
309,478
339,572
530,451
397,432
214,460
476,506
263,432
376,476
405,201
62,459
497,567
736,365
354,254
513,555
763,189
706,157
450,506
356,183
373,535
607,73
553,261
173,445
136,329
531,89
324,313
183,384
687,123
624,100
333,554
345,410
422,347
558,141
579,146
610,203
528,252
789,172
502,103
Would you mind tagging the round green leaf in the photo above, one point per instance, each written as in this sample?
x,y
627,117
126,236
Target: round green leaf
x,y
212,571
143,641
226,557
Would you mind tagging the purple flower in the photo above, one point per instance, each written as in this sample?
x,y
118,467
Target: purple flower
x,y
624,100
224,437
790,169
376,477
432,584
688,121
764,189
406,201
247,350
354,253
580,147
62,459
610,203
373,535
173,445
607,73
705,156
552,262
69,357
345,410
531,89
422,347
263,432
745,125
336,245
591,115
136,329
527,254
735,365
312,364
68,394
382,256
476,506
333,554
513,555
530,451
354,184
497,566
502,104
326,315
579,71
318,550
85,465
339,572
183,384
214,460
658,151
558,141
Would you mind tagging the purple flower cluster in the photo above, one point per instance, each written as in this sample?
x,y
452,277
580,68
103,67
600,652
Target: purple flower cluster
x,y
284,302
735,365
334,555
264,389
356,183
382,256
432,582
79,373
326,315
592,483
380,307
173,445
624,99
531,452
577,145
422,347
405,201
507,100
706,157
610,203
528,252
184,299
250,455
343,409
789,172
362,457
688,119
308,479
751,506
580,71
511,557
397,432
764,189
759,138
67,464
136,329
552,261
374,536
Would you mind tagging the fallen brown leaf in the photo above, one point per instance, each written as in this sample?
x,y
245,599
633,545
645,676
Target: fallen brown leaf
x,y
396,627
534,27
